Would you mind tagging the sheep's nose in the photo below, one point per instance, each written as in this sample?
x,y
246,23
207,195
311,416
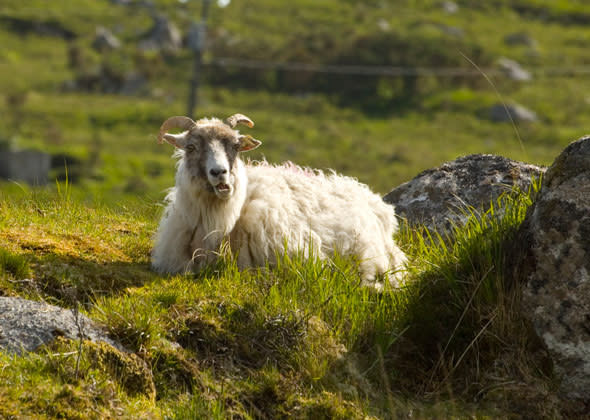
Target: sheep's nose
x,y
217,172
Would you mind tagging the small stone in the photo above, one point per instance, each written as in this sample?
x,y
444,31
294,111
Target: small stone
x,y
513,70
449,7
133,84
164,35
520,38
451,30
105,40
383,25
502,113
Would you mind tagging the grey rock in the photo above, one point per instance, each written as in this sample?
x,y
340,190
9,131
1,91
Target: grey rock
x,y
449,7
105,40
520,38
451,30
25,325
164,35
30,166
437,198
556,267
133,84
384,25
513,70
501,113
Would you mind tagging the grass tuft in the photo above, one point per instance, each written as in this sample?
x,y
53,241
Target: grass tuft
x,y
15,265
462,314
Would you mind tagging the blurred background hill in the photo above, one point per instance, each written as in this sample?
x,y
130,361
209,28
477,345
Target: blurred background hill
x,y
379,89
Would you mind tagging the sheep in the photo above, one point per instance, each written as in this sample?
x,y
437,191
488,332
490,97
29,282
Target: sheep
x,y
262,210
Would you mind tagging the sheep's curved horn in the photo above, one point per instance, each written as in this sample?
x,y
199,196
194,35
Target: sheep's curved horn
x,y
182,123
239,119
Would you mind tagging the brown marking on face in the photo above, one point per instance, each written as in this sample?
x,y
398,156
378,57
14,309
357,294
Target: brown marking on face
x,y
198,148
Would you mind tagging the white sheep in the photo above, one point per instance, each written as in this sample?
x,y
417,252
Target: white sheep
x,y
262,210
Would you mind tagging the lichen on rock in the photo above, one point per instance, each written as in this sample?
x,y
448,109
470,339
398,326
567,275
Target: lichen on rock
x,y
438,198
555,237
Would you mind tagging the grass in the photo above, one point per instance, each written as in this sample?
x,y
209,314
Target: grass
x,y
298,339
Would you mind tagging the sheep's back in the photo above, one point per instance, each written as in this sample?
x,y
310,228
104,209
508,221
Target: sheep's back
x,y
310,209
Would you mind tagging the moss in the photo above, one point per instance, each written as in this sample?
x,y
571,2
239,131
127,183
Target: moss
x,y
9,409
127,369
174,372
71,403
326,406
131,371
243,335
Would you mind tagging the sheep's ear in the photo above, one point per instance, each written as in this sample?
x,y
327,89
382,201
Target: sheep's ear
x,y
176,140
248,143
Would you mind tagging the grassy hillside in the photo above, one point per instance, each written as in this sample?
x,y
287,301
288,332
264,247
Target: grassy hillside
x,y
299,340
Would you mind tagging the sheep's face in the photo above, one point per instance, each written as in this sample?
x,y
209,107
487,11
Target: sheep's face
x,y
211,149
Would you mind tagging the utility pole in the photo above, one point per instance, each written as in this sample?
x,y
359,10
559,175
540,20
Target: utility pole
x,y
196,42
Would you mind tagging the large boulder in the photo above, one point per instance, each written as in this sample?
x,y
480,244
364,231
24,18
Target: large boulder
x,y
26,325
556,267
437,198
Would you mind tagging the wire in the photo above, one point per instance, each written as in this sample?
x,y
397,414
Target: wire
x,y
363,70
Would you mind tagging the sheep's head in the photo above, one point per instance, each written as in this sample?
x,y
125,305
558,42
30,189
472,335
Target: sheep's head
x,y
210,148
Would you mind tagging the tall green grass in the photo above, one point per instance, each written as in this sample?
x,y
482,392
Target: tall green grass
x,y
463,306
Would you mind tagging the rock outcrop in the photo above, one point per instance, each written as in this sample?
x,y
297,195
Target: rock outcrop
x,y
556,267
26,325
438,197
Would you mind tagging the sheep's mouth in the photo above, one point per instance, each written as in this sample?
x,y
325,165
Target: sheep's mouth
x,y
222,188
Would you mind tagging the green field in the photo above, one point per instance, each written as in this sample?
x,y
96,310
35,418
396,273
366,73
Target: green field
x,y
300,340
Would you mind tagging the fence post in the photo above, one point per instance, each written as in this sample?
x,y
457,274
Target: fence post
x,y
196,42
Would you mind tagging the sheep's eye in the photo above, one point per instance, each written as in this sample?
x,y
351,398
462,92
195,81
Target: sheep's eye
x,y
190,148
